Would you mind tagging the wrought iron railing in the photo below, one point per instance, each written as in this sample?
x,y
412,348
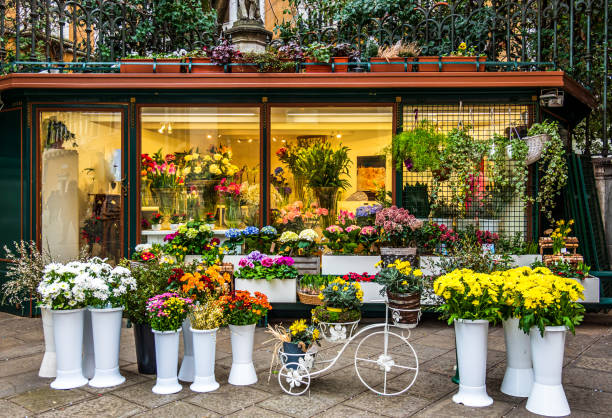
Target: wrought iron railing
x,y
515,35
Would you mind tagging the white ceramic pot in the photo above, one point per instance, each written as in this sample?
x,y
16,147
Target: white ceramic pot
x,y
106,327
339,265
89,364
156,227
471,340
242,372
547,396
166,355
186,372
518,378
525,260
68,336
591,289
48,364
204,344
174,227
279,291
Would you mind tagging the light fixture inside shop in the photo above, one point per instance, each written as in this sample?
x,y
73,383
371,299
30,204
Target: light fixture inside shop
x,y
162,129
170,128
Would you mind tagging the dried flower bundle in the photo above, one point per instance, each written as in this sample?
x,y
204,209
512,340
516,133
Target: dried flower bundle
x,y
207,316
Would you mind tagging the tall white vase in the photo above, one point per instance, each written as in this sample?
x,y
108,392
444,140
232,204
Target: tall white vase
x,y
242,372
166,355
68,336
186,372
518,378
204,344
471,340
89,364
49,363
547,396
106,327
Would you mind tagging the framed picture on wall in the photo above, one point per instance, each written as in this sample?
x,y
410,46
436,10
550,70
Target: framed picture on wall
x,y
370,174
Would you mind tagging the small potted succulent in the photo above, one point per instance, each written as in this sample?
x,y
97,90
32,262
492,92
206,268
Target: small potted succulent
x,y
463,59
156,221
402,286
318,57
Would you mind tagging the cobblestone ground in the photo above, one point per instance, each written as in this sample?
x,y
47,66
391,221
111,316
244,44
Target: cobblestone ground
x,y
587,378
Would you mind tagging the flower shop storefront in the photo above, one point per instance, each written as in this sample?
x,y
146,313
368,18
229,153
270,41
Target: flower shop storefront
x,y
109,161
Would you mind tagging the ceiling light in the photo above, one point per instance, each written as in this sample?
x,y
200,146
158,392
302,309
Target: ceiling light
x,y
170,128
250,140
208,136
162,129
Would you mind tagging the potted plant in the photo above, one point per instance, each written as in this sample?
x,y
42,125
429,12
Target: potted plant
x,y
340,313
578,272
418,149
200,62
429,63
470,311
309,288
463,59
369,286
291,52
136,63
156,221
303,248
224,53
402,285
341,55
547,309
391,57
318,57
398,231
297,344
166,313
366,214
259,240
62,289
326,170
349,250
242,311
190,241
24,272
263,62
274,276
107,288
205,320
175,219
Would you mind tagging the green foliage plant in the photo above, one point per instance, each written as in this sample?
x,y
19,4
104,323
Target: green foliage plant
x,y
508,174
325,166
318,52
421,146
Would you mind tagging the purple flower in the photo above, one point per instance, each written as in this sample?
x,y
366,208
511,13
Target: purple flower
x,y
255,256
408,164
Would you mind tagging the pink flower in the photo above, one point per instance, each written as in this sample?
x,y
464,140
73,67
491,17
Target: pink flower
x,y
267,262
352,228
334,229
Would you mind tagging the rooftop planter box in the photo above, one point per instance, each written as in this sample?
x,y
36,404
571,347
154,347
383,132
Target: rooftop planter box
x,y
457,64
206,66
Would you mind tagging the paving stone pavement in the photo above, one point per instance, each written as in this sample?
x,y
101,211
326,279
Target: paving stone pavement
x,y
587,379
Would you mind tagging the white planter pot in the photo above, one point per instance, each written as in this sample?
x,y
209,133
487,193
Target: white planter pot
x,y
106,326
371,292
48,364
68,336
89,364
518,378
591,289
339,265
156,227
192,258
525,260
204,344
186,372
471,340
277,291
242,372
547,396
166,355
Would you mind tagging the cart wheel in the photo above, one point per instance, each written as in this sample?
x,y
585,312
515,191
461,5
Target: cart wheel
x,y
398,358
294,381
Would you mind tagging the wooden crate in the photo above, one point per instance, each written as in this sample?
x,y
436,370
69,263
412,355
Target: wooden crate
x,y
571,243
573,259
307,265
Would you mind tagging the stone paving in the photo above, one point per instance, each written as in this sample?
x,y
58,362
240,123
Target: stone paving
x,y
587,379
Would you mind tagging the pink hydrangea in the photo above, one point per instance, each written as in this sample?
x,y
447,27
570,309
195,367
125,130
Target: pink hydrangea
x,y
352,228
368,230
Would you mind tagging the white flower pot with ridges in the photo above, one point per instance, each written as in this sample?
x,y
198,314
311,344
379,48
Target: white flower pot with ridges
x,y
166,355
339,265
106,327
89,364
471,340
277,290
204,344
186,372
48,365
547,396
68,336
518,378
243,371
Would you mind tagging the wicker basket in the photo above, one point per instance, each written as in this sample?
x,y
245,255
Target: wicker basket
x,y
308,299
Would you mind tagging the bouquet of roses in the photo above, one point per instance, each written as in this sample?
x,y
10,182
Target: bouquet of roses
x,y
259,266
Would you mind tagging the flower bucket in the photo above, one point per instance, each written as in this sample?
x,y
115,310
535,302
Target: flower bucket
x,y
207,197
187,371
292,353
405,309
547,396
106,327
89,364
204,343
233,214
518,378
393,65
340,64
144,342
471,342
68,336
156,227
242,372
212,68
166,354
48,365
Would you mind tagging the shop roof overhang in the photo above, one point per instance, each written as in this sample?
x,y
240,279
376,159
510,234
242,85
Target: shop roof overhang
x,y
579,104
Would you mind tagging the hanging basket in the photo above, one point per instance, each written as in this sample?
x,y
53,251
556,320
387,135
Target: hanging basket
x,y
536,146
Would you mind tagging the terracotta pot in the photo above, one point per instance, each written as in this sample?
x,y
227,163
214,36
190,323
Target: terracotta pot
x,y
406,317
434,67
142,65
205,68
168,65
245,68
340,64
381,65
462,67
318,67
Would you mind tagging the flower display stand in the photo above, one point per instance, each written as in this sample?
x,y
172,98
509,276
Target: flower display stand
x,y
166,354
339,265
279,291
187,370
518,378
242,372
89,365
68,335
48,365
106,327
204,343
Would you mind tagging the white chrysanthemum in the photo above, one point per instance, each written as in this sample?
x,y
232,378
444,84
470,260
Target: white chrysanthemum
x,y
142,247
308,235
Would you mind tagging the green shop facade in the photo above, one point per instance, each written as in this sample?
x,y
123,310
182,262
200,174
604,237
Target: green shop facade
x,y
73,170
